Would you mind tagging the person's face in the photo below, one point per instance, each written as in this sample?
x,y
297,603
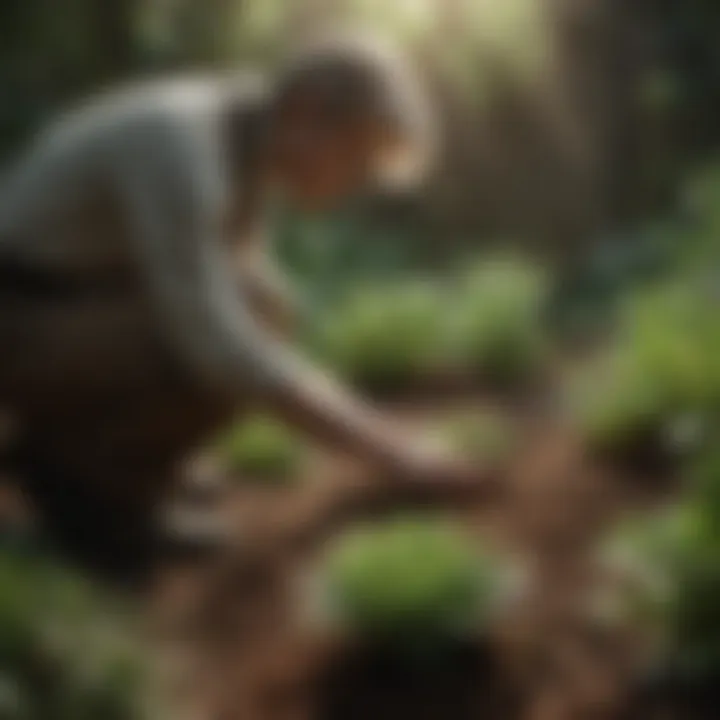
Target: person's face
x,y
321,157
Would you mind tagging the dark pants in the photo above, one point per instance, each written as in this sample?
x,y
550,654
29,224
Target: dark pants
x,y
103,412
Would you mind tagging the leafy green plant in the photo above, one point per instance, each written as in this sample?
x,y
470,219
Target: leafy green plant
x,y
413,582
497,323
63,654
673,330
617,402
262,448
386,336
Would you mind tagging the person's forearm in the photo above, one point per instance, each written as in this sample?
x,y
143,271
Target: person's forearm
x,y
266,287
325,410
273,303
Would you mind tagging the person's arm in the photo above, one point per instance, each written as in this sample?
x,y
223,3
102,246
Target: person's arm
x,y
173,190
268,292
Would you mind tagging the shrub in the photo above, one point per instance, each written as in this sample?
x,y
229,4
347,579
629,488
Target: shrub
x,y
382,337
411,582
62,654
262,448
497,323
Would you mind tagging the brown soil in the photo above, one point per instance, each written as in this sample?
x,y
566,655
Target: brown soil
x,y
259,657
252,650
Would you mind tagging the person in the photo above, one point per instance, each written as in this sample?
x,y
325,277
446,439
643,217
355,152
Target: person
x,y
138,311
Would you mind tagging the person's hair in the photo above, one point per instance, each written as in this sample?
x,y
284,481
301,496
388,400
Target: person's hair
x,y
361,75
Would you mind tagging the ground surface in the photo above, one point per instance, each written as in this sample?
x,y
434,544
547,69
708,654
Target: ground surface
x,y
246,644
256,653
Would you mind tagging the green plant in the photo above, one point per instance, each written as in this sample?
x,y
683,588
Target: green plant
x,y
497,323
673,331
412,582
63,653
261,448
658,384
671,559
704,480
381,337
617,402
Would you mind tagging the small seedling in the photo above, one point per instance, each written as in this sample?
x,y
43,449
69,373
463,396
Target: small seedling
x,y
262,448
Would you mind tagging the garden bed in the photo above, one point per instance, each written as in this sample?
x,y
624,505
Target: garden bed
x,y
546,659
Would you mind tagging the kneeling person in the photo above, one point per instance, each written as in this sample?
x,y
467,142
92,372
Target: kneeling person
x,y
129,291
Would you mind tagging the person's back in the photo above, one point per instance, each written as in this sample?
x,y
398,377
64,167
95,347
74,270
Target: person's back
x,y
62,205
87,369
129,333
84,347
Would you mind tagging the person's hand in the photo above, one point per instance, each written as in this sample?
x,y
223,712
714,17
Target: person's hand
x,y
433,470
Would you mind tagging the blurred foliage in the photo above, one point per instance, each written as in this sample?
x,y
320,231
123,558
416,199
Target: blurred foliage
x,y
386,337
621,404
496,319
487,323
659,382
63,652
328,256
704,481
687,36
670,559
52,50
414,582
659,375
262,448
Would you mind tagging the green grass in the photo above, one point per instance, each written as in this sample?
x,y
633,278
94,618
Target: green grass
x,y
416,583
263,449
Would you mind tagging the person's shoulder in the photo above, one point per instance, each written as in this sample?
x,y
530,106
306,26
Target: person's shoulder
x,y
248,86
157,100
153,104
